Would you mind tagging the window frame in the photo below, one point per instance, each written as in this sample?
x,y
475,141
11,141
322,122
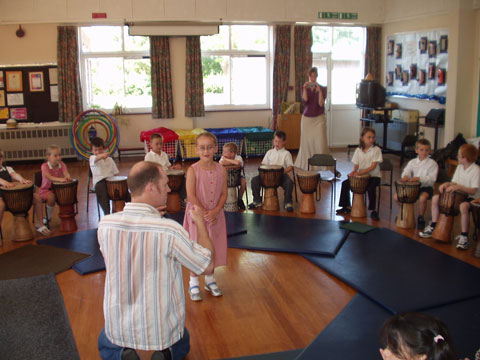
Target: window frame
x,y
124,54
231,53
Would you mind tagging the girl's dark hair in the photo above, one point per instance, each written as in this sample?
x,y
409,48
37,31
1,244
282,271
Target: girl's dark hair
x,y
412,334
364,131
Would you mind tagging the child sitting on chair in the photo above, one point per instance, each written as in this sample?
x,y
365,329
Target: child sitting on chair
x,y
230,157
466,179
7,176
53,170
102,167
424,170
276,156
158,156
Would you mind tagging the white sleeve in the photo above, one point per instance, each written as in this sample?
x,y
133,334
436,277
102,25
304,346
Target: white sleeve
x,y
238,158
355,156
92,160
114,167
455,177
10,170
165,160
288,160
378,157
149,157
266,158
407,171
432,173
475,179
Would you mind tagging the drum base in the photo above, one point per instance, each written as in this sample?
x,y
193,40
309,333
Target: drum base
x,y
359,208
23,231
231,205
117,205
173,202
443,229
67,218
406,217
307,205
270,201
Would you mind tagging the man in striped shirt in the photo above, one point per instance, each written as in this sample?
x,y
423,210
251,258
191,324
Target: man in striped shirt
x,y
144,302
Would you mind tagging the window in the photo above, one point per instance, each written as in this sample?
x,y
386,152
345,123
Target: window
x,y
115,68
235,66
346,47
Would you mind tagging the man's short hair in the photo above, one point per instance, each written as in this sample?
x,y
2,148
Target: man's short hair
x,y
156,136
97,142
424,142
281,135
231,146
469,152
138,178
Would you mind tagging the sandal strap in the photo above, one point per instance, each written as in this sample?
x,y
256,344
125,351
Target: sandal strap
x,y
212,283
194,287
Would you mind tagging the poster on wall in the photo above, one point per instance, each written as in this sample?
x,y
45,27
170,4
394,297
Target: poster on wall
x,y
2,82
36,81
2,98
18,113
53,76
4,113
420,65
14,81
15,99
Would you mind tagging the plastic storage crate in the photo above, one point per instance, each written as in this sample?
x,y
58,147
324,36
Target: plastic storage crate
x,y
170,141
258,140
186,141
226,135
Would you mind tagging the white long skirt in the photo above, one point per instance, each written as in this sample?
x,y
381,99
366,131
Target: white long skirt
x,y
313,140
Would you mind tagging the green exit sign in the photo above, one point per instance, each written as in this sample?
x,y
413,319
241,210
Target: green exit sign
x,y
337,15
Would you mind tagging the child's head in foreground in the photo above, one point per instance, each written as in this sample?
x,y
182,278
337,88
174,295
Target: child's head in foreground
x,y
206,145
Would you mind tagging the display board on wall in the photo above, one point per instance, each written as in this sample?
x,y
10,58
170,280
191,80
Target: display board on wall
x,y
29,93
417,65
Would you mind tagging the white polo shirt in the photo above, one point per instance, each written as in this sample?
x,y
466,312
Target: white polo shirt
x,y
426,170
365,159
236,158
102,169
469,178
161,159
280,157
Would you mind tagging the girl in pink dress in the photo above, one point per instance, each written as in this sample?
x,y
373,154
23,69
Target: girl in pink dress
x,y
207,188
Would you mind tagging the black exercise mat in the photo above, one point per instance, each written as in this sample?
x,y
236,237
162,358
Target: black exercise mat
x,y
399,273
289,234
234,222
82,241
353,334
34,322
358,227
31,260
281,355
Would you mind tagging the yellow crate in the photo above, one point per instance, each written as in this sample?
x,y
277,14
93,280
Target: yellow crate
x,y
186,138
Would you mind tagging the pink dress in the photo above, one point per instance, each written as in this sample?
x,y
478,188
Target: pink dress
x,y
208,188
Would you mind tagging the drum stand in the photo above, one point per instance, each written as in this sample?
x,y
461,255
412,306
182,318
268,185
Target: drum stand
x,y
173,202
270,201
67,217
406,218
443,229
359,209
22,228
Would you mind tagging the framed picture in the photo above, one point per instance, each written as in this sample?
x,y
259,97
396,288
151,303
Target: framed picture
x,y
14,81
443,44
422,76
390,46
2,81
442,76
404,78
390,76
432,49
398,72
35,79
398,51
431,71
422,45
2,98
413,71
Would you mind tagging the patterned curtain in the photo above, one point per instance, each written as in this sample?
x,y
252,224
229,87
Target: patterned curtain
x,y
281,69
373,52
69,89
303,58
194,106
162,97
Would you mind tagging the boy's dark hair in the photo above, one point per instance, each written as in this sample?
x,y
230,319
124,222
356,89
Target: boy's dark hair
x,y
281,135
424,142
364,131
97,142
156,136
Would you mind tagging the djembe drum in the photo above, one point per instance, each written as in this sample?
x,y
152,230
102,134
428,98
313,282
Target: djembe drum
x,y
66,196
175,181
233,182
18,200
449,205
407,193
475,210
358,184
117,190
271,178
308,183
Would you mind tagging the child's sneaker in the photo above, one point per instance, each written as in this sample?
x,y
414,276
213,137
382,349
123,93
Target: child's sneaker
x,y
254,205
289,207
374,215
420,222
427,232
462,242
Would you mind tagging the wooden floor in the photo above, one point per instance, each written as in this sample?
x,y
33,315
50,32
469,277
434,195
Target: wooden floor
x,y
272,301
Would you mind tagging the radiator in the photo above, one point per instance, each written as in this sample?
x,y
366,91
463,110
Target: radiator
x,y
28,141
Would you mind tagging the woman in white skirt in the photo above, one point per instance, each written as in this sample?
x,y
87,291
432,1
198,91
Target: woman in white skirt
x,y
313,135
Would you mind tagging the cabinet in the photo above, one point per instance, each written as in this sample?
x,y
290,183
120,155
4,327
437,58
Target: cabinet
x,y
290,123
378,116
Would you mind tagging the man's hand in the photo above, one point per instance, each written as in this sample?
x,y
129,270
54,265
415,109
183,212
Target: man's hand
x,y
162,209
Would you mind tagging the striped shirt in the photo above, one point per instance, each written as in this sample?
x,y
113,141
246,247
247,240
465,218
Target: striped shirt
x,y
144,303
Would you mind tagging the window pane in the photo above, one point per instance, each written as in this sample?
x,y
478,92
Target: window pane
x,y
216,87
345,75
104,82
101,38
249,76
348,43
138,90
135,43
322,39
215,42
322,67
250,37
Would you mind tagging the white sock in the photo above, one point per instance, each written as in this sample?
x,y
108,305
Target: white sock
x,y
49,211
209,279
194,282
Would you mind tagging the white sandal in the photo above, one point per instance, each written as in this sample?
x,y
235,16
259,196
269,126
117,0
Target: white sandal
x,y
213,289
43,230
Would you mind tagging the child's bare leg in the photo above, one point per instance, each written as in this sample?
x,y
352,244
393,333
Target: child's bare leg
x,y
422,204
243,186
465,215
37,208
2,209
435,210
50,205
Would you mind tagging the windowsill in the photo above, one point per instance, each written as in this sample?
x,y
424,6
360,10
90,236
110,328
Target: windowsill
x,y
230,110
